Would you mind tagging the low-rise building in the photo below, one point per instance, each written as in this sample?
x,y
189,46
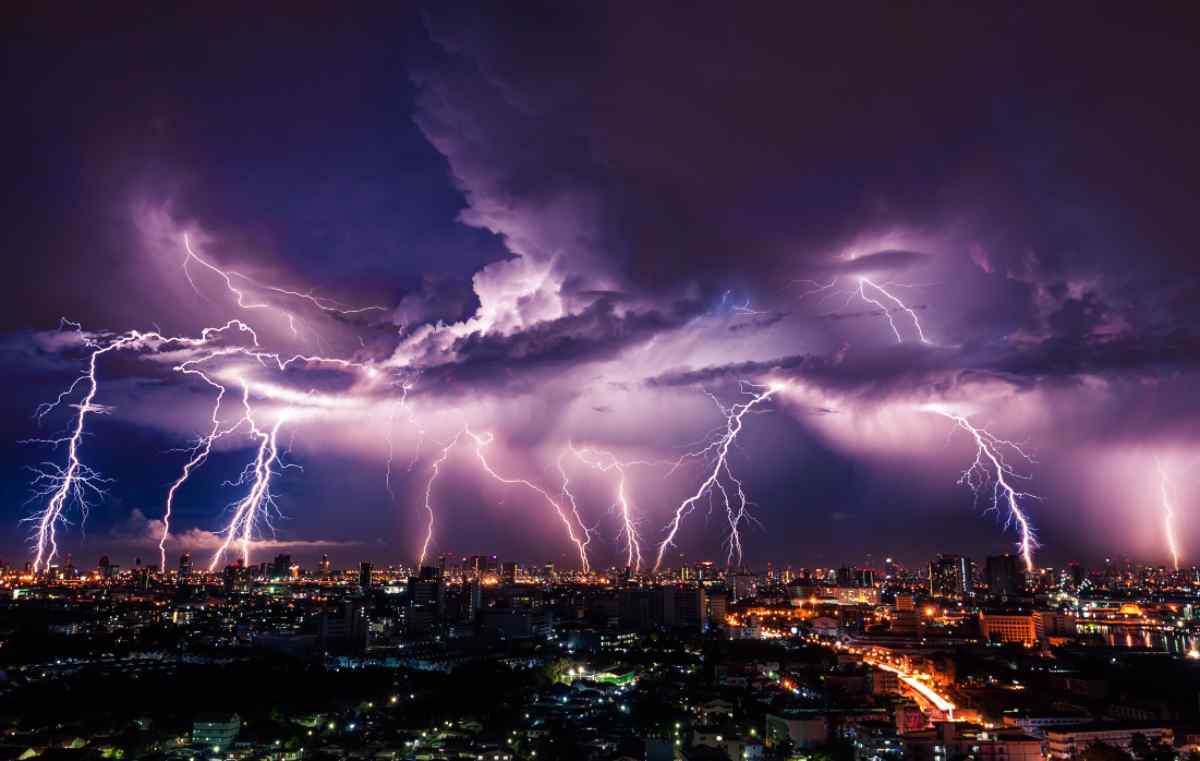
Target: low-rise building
x,y
1065,742
950,740
804,729
218,730
1019,628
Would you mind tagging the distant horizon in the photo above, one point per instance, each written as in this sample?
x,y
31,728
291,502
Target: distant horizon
x,y
309,561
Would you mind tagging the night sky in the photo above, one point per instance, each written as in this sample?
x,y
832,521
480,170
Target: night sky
x,y
585,224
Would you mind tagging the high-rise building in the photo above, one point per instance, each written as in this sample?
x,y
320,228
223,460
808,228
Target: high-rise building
x,y
344,626
364,575
427,601
236,578
951,577
280,568
510,573
474,600
1077,574
326,568
905,622
185,565
1003,576
745,585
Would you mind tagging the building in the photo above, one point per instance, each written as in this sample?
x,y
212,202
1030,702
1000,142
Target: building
x,y
1065,742
364,575
718,607
1003,576
217,730
185,565
885,682
1009,627
905,620
949,740
875,741
1053,624
805,729
951,577
745,585
691,608
344,627
281,568
666,606
1036,724
856,595
518,624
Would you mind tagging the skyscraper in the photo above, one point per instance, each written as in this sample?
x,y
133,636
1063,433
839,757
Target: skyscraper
x,y
1003,576
185,565
951,576
364,575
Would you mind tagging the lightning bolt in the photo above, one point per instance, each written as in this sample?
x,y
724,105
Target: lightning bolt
x,y
203,448
435,470
245,300
567,496
72,483
878,291
75,484
863,282
394,409
256,505
607,462
199,455
717,452
482,440
1168,509
991,467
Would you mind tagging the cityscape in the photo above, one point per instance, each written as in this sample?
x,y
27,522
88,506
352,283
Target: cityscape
x,y
478,657
585,381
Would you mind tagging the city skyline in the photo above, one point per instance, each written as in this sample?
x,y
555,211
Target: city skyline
x,y
388,289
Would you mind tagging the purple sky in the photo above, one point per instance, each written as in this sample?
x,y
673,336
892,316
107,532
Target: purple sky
x,y
586,224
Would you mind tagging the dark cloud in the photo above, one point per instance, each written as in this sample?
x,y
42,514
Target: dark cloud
x,y
534,190
514,363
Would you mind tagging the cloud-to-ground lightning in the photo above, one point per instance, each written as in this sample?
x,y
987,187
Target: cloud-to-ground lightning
x,y
397,407
606,462
717,453
1166,496
567,496
434,471
990,466
71,485
255,506
482,440
579,535
198,455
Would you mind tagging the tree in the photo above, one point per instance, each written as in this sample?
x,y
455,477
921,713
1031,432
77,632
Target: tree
x,y
1144,750
1099,751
